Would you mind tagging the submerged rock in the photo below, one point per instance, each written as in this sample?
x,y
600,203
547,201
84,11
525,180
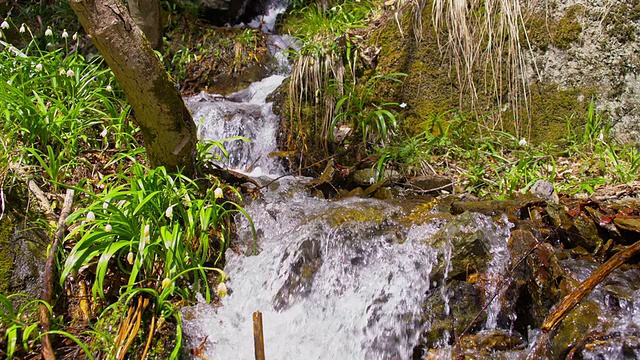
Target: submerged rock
x,y
465,244
449,311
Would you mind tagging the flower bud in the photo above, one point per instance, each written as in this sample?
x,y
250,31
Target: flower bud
x,y
222,289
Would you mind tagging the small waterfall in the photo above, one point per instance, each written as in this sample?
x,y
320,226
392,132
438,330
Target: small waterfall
x,y
333,279
245,113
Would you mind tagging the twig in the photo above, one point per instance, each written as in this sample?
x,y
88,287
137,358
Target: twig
x,y
49,275
579,293
258,335
152,329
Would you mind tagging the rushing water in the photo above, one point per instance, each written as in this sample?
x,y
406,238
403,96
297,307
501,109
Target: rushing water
x,y
333,279
349,279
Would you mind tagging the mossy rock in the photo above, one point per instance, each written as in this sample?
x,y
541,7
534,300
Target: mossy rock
x,y
576,325
464,303
23,245
6,257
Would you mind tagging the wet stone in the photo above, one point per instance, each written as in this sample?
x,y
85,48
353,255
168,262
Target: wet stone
x,y
469,244
430,183
575,327
306,260
448,317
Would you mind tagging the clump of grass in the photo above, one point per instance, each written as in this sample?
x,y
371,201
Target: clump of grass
x,y
67,125
319,69
497,164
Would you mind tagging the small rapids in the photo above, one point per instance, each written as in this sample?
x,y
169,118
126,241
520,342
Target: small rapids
x,y
371,279
332,279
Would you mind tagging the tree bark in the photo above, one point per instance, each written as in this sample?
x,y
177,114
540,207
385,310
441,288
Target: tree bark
x,y
168,130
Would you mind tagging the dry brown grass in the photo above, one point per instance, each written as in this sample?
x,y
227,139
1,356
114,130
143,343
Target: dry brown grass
x,y
311,77
489,35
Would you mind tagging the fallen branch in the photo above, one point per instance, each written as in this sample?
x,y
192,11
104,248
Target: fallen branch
x,y
570,301
49,275
36,191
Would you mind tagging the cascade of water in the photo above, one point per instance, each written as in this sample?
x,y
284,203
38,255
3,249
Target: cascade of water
x,y
245,113
332,281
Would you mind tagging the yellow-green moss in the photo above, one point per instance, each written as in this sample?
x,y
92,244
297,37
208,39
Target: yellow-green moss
x,y
620,22
551,107
544,31
429,87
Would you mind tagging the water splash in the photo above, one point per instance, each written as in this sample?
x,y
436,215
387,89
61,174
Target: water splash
x,y
331,282
245,113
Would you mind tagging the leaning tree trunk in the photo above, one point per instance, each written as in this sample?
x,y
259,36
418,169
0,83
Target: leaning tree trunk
x,y
168,130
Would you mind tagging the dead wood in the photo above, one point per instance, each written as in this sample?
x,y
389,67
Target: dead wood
x,y
570,301
49,275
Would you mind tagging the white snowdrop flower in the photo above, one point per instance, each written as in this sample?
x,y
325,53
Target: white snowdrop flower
x,y
222,290
217,193
166,282
4,25
91,216
9,82
39,67
523,142
104,132
130,258
108,228
601,137
65,34
23,28
105,204
169,212
75,36
48,32
70,73
62,72
146,231
403,105
109,88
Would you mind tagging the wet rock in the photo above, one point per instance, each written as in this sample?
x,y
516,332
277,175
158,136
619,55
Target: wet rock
x,y
463,244
575,327
430,183
580,230
589,236
303,264
357,192
515,209
629,224
364,177
367,177
489,341
383,194
544,190
445,318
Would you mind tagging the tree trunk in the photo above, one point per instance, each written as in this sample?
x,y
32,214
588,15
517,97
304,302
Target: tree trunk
x,y
168,130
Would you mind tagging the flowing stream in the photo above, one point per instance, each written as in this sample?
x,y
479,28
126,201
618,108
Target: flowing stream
x,y
348,279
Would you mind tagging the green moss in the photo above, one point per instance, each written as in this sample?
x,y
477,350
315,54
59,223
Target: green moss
x,y
551,107
621,21
6,257
567,31
430,86
544,31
